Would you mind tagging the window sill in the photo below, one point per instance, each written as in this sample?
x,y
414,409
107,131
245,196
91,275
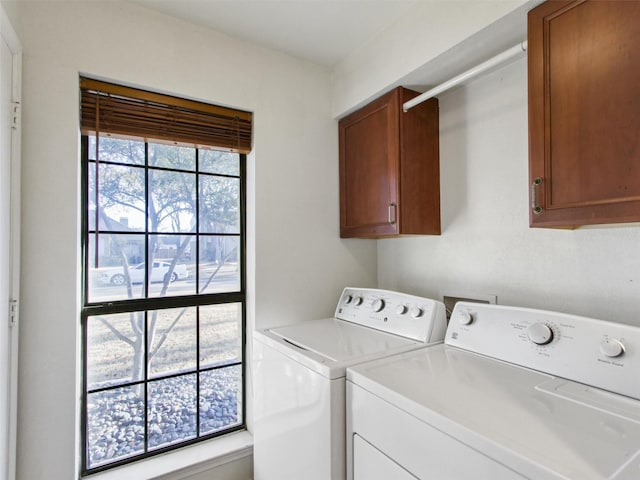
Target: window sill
x,y
186,461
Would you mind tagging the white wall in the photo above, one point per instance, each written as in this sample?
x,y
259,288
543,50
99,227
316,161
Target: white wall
x,y
300,264
426,31
487,246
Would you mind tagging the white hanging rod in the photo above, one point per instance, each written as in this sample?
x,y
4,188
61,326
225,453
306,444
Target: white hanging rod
x,y
472,72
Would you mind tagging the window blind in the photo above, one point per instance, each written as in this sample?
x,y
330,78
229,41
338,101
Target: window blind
x,y
119,110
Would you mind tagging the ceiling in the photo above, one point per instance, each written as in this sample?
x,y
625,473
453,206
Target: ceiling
x,y
321,31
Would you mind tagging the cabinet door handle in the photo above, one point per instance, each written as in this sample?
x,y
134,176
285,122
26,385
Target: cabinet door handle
x,y
537,209
392,213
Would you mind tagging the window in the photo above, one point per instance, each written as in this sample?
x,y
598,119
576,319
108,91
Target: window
x,y
164,291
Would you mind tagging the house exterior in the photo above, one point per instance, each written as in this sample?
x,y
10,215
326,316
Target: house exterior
x,y
297,264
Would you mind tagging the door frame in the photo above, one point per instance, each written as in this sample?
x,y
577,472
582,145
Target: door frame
x,y
10,37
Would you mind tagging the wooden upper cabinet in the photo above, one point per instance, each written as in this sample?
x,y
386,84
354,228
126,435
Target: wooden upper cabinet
x,y
389,168
584,113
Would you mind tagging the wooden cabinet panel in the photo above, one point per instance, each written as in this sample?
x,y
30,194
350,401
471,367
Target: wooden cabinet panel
x,y
389,169
368,170
584,112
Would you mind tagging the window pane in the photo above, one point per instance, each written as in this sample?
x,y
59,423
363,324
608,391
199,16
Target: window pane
x,y
172,201
219,204
130,152
115,349
220,334
173,340
172,410
162,222
165,279
118,255
92,152
115,425
220,399
219,264
91,197
121,198
216,161
171,156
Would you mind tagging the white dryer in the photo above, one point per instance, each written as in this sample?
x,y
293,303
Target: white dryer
x,y
512,393
299,387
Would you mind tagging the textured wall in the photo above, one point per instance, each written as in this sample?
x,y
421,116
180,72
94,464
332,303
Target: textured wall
x,y
486,245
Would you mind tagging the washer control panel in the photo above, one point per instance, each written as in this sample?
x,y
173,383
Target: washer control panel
x,y
595,352
419,318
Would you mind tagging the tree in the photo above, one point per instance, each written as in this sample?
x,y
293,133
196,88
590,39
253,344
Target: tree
x,y
163,198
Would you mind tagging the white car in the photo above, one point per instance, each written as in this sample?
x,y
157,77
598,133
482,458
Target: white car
x,y
115,275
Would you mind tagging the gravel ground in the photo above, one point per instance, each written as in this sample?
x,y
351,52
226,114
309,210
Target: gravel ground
x,y
117,417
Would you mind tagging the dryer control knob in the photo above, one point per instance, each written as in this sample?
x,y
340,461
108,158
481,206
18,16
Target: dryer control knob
x,y
465,317
611,347
357,300
378,305
540,333
347,299
416,312
401,309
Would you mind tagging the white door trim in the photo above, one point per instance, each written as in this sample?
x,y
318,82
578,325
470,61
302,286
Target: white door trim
x,y
10,37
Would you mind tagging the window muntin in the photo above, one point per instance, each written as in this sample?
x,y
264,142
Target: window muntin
x,y
163,344
164,210
189,378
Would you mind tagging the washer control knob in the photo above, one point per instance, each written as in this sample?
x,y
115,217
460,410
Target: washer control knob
x,y
540,333
401,309
347,299
357,301
611,347
465,317
378,305
416,312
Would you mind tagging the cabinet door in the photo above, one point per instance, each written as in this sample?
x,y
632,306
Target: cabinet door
x,y
369,153
584,112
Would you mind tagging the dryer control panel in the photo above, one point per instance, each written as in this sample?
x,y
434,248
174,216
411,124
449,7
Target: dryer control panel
x,y
598,353
419,318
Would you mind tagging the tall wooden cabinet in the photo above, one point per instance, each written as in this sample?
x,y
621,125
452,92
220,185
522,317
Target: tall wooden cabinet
x,y
584,112
389,168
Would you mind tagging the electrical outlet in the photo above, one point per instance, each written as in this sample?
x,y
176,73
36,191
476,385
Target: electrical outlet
x,y
451,298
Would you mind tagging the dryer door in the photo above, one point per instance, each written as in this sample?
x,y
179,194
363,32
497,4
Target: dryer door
x,y
369,463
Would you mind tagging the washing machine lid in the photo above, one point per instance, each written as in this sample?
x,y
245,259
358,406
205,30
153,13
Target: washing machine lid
x,y
541,426
330,345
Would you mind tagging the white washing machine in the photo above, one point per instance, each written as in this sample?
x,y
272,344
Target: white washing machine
x,y
299,388
511,394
